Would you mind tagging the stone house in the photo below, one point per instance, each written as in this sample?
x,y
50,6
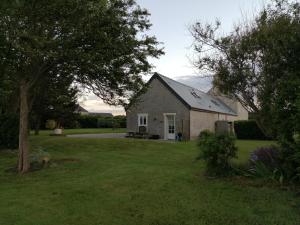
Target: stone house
x,y
168,108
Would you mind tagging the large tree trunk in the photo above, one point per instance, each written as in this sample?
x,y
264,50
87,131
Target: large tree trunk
x,y
23,164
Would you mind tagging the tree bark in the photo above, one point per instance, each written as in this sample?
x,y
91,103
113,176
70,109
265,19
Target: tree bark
x,y
23,164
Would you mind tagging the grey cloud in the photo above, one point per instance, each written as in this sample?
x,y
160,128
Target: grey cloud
x,y
201,83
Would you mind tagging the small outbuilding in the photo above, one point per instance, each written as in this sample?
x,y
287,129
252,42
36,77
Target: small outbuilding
x,y
171,109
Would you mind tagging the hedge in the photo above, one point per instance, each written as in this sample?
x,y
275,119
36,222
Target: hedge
x,y
87,121
9,131
90,121
248,129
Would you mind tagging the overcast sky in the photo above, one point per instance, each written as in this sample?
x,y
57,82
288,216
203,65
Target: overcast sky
x,y
171,20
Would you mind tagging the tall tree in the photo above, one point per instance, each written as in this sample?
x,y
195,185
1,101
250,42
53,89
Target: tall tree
x,y
101,43
258,63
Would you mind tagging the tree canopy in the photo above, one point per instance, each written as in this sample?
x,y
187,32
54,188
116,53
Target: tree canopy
x,y
258,63
99,42
54,99
102,45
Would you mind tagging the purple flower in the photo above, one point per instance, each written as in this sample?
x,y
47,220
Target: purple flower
x,y
268,155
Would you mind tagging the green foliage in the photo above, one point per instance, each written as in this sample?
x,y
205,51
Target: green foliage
x,y
55,98
94,121
88,121
248,130
265,163
290,164
280,164
9,130
85,131
112,122
258,64
121,121
217,150
260,170
105,122
102,45
8,94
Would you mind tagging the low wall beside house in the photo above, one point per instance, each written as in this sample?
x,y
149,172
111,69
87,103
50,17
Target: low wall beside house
x,y
200,121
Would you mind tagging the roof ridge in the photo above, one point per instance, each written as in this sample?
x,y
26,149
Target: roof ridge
x,y
205,95
183,84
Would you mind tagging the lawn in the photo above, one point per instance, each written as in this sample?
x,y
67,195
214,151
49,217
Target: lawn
x,y
120,182
84,131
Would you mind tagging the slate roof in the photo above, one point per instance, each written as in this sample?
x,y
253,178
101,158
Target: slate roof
x,y
195,98
81,109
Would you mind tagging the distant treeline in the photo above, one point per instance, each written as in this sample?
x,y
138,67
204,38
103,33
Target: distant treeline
x,y
90,121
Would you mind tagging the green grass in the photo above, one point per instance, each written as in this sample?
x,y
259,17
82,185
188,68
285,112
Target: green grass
x,y
120,182
84,131
246,147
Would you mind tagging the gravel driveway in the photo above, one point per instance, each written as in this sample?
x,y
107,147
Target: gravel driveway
x,y
109,135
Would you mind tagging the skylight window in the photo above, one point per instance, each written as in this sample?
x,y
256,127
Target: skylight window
x,y
216,103
195,94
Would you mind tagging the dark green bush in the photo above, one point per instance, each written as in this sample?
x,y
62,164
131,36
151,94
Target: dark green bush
x,y
268,155
105,122
9,131
92,121
121,121
276,163
88,121
290,164
217,150
265,162
248,129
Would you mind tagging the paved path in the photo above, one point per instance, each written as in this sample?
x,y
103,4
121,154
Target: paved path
x,y
108,135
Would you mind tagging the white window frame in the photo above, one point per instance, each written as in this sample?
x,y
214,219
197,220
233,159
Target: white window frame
x,y
139,121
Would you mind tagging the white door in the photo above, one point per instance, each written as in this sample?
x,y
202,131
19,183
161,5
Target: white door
x,y
170,126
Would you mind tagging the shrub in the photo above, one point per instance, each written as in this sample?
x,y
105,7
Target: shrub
x,y
88,121
217,150
296,159
265,162
290,160
281,164
105,122
9,131
121,121
269,156
248,129
94,121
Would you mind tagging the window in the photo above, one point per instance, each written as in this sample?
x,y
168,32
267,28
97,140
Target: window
x,y
143,119
196,95
171,124
216,103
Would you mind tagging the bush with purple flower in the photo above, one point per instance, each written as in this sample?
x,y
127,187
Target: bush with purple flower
x,y
265,162
268,156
